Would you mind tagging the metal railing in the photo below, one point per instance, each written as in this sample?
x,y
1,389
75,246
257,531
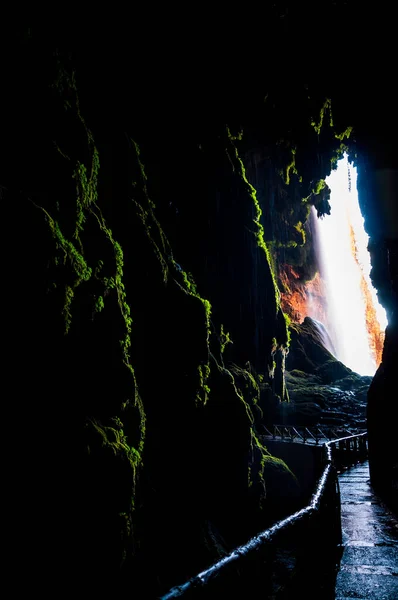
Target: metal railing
x,y
304,434
316,527
349,450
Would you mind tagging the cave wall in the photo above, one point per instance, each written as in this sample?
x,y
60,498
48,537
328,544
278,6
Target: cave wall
x,y
150,320
379,194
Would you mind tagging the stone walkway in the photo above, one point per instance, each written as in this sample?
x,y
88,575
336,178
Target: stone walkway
x,y
369,563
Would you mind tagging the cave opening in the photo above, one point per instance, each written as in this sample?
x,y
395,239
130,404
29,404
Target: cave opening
x,y
354,318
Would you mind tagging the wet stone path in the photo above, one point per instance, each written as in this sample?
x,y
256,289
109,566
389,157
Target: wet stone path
x,y
369,563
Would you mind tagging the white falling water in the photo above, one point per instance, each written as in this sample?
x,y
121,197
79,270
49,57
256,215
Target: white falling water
x,y
345,268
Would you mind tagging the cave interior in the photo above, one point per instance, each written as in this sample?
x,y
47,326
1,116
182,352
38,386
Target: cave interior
x,y
157,177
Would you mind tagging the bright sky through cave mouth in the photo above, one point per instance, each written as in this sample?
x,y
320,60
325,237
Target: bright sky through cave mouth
x,y
356,320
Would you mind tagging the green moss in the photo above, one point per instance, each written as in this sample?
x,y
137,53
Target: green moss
x,y
99,304
319,186
338,154
235,137
259,233
67,253
224,339
271,369
344,134
291,168
114,439
231,375
327,107
86,188
151,225
299,374
86,175
307,212
288,322
66,311
202,394
278,244
187,284
299,228
248,382
265,460
183,279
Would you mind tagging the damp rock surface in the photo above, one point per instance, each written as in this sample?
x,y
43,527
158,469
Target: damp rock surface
x,y
369,563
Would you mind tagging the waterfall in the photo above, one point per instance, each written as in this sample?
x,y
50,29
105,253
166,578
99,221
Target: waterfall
x,y
355,319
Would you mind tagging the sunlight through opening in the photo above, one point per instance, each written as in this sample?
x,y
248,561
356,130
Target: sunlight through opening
x,y
356,320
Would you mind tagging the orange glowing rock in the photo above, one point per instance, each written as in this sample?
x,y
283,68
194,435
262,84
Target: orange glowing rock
x,y
376,334
302,298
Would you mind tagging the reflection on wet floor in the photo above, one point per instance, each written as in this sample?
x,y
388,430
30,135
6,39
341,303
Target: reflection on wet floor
x,y
369,563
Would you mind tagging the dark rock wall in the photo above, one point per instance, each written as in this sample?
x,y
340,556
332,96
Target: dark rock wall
x,y
145,332
382,191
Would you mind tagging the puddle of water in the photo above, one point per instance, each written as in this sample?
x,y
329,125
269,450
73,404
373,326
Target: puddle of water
x,y
369,569
356,502
360,543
